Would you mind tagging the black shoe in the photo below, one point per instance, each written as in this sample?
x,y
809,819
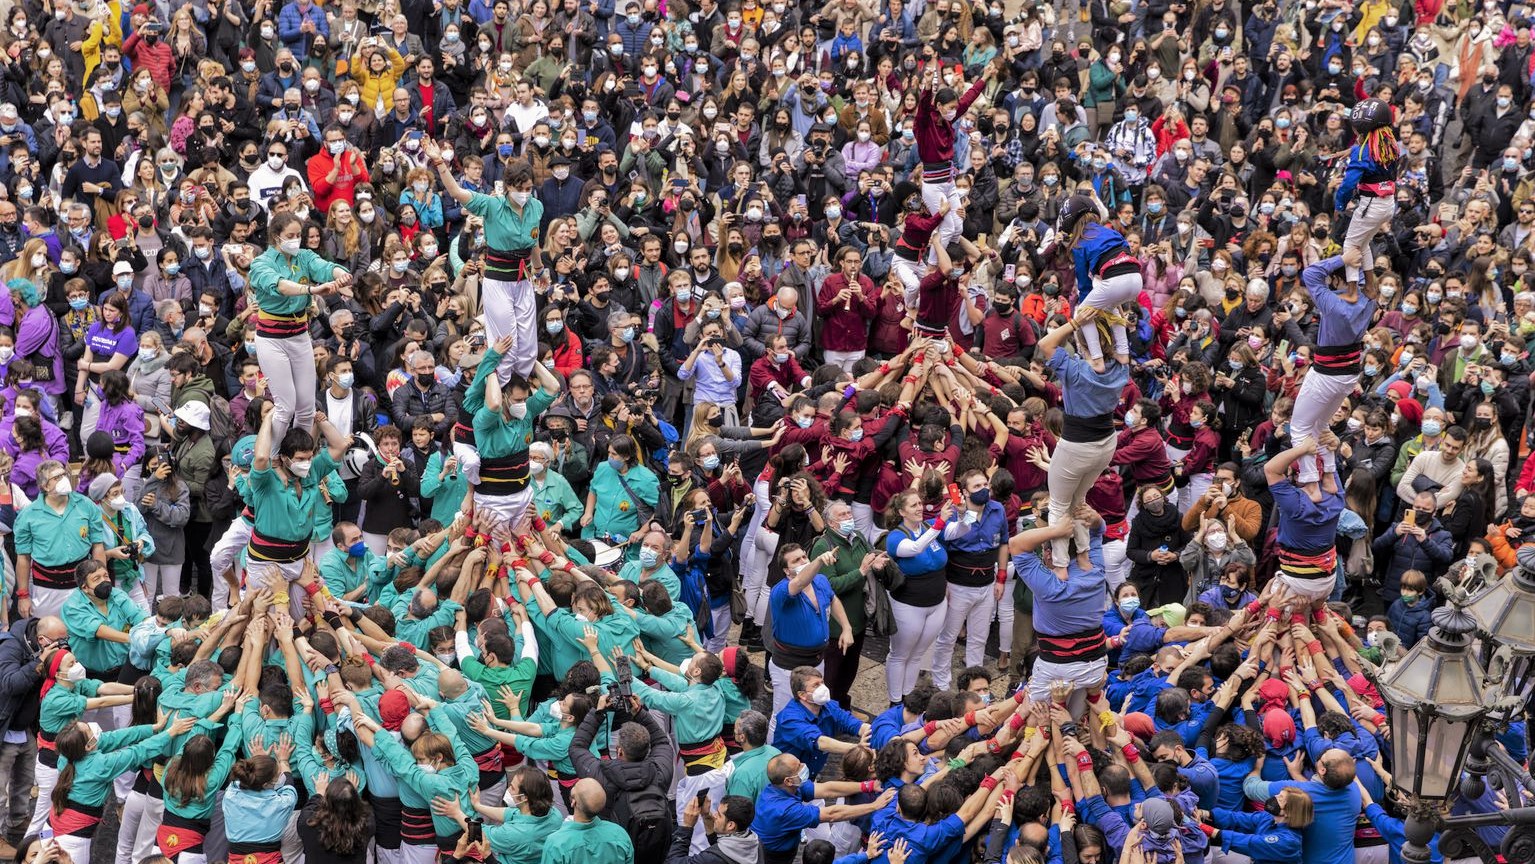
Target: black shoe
x,y
751,635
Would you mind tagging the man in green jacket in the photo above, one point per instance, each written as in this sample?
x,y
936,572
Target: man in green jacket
x,y
848,575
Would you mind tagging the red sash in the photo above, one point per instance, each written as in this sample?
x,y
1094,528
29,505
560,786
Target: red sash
x,y
76,820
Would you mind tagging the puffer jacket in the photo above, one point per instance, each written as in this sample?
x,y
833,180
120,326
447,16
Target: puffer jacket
x,y
1411,623
20,676
1430,557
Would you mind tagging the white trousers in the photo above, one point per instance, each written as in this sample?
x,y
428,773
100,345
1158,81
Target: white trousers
x,y
970,608
225,557
754,563
910,273
916,629
511,510
288,365
1082,676
47,778
79,848
161,579
142,815
781,695
1108,294
863,519
1074,468
511,308
721,617
1319,398
933,196
844,360
48,601
1116,564
1199,484
1005,612
1370,216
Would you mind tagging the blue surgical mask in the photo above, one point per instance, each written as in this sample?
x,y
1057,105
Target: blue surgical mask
x,y
846,527
627,335
1154,208
346,380
1508,359
553,327
1371,369
79,303
710,462
856,434
1128,605
803,422
1432,428
616,463
357,550
172,269
505,151
649,557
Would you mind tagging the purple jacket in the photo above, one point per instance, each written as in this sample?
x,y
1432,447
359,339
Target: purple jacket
x,y
39,332
53,437
126,423
24,472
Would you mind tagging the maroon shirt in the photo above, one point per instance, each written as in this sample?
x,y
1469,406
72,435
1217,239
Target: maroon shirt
x,y
845,323
935,135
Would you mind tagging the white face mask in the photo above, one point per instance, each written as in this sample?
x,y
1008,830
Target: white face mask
x,y
118,503
557,712
517,410
821,695
289,246
299,467
61,487
74,674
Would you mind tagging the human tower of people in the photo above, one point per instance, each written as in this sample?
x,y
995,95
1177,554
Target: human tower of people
x,y
521,678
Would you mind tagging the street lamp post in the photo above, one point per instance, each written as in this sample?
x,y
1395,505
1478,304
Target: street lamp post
x,y
1445,705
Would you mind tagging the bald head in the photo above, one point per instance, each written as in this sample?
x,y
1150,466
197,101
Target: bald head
x,y
50,628
451,684
1336,769
588,799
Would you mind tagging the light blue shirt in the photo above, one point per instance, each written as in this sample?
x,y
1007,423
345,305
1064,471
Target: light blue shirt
x,y
709,384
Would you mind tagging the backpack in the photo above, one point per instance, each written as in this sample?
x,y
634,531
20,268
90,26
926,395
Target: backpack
x,y
221,425
644,814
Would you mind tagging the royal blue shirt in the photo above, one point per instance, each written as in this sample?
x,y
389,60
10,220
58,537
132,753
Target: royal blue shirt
x,y
798,730
1306,524
781,817
888,726
986,533
926,841
797,622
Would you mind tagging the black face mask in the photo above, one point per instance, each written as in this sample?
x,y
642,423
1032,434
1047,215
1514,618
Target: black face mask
x,y
103,590
1481,423
1002,308
1424,516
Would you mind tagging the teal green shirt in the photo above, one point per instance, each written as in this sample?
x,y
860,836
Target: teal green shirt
x,y
496,436
83,619
254,726
116,751
748,771
594,842
284,514
555,500
474,397
520,839
661,633
202,808
697,710
306,268
553,747
663,574
415,632
56,539
617,512
344,574
64,703
446,493
458,711
735,701
417,787
506,230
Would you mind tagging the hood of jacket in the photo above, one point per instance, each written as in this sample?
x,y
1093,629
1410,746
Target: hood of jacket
x,y
740,848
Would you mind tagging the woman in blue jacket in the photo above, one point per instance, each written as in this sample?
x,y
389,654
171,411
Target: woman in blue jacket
x,y
1270,836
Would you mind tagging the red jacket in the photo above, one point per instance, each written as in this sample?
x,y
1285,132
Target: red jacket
x,y
155,56
845,324
354,171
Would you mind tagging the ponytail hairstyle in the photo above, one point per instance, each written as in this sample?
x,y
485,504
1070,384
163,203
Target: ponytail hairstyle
x,y
74,743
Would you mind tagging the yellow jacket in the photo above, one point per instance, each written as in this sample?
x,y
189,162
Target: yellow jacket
x,y
378,87
102,32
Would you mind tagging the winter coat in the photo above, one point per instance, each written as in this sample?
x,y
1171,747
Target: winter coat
x,y
1149,532
1411,623
1430,556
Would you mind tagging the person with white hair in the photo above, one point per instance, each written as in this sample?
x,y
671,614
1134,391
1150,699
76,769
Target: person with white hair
x,y
554,499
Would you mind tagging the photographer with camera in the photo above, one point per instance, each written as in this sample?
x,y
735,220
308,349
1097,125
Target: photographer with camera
x,y
638,779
